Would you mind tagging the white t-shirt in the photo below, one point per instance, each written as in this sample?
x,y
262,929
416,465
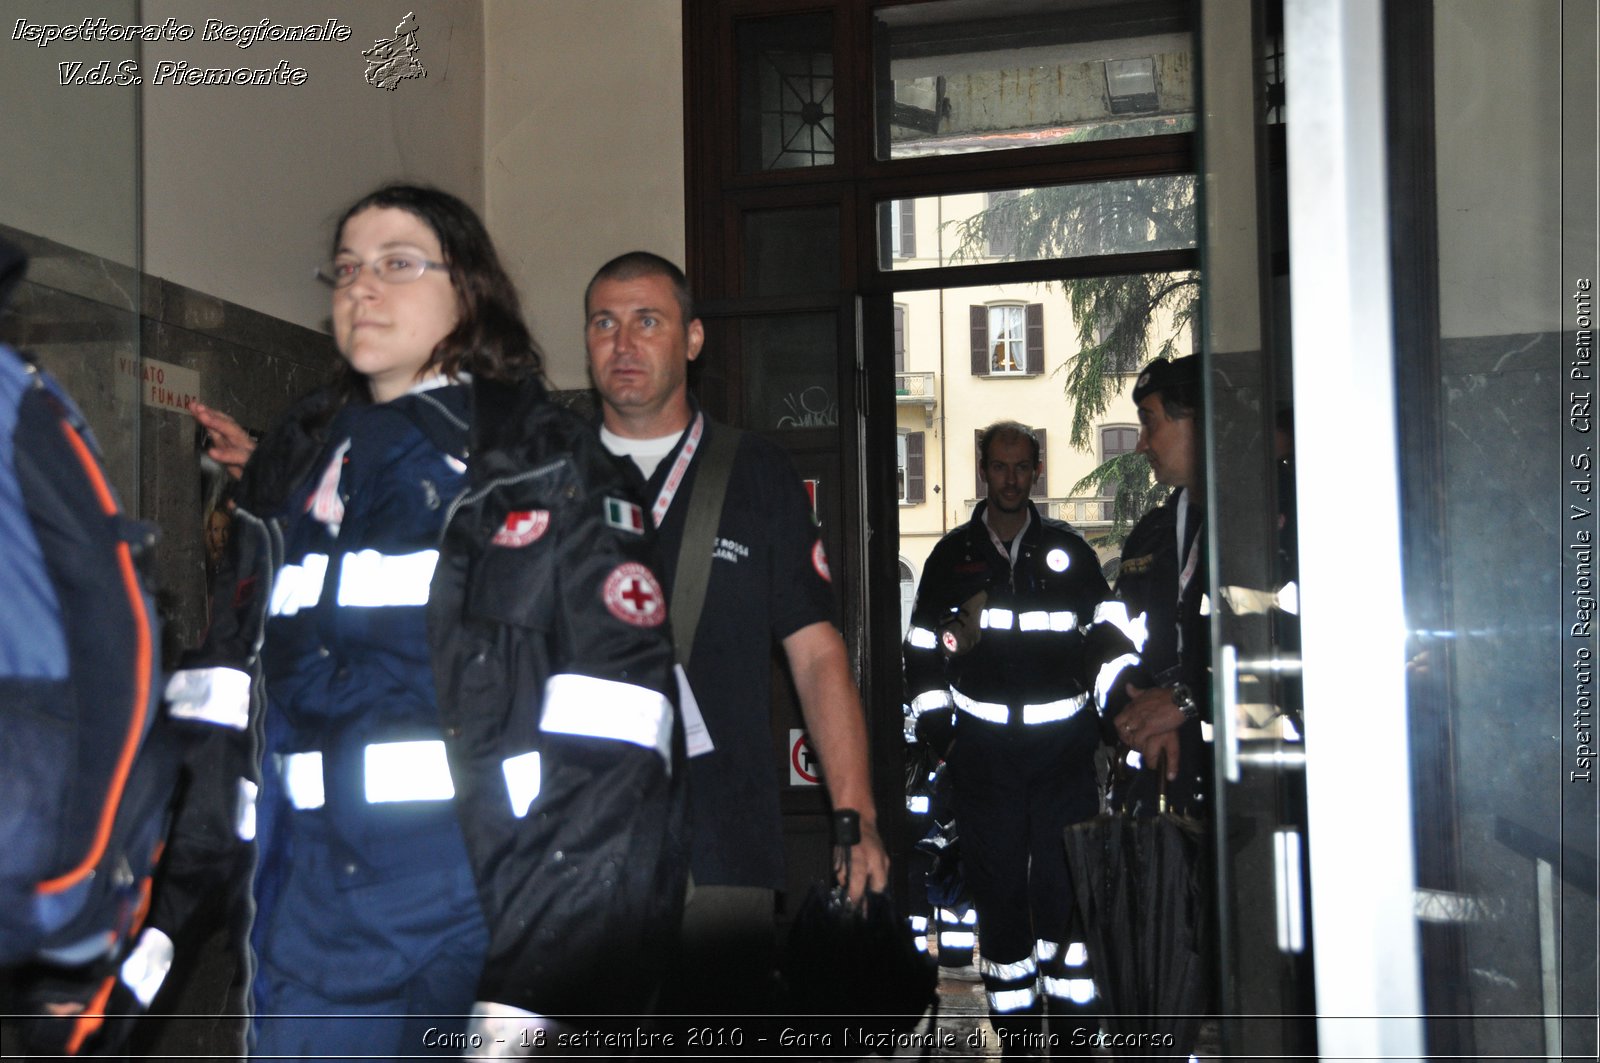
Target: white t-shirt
x,y
646,453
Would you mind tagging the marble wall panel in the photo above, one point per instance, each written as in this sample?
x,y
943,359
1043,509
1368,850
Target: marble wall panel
x,y
95,325
1504,514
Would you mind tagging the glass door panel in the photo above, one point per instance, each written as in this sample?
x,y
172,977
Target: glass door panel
x,y
1261,837
1497,478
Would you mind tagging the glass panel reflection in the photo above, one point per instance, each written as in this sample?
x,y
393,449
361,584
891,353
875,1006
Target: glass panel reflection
x,y
959,76
791,366
791,252
786,98
1030,224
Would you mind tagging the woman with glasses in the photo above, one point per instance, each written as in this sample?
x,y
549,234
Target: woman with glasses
x,y
465,745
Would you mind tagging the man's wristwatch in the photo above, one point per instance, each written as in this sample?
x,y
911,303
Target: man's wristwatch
x,y
1183,697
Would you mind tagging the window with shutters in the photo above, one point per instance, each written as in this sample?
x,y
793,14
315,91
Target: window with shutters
x,y
1008,339
899,338
1115,441
913,467
1041,487
903,228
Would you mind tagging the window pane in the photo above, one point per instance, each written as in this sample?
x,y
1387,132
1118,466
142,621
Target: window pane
x,y
1115,442
964,78
791,378
1079,386
786,97
791,252
1058,221
1005,340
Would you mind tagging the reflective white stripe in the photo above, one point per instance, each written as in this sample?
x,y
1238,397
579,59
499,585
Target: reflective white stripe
x,y
210,695
1051,711
1116,613
983,710
920,941
918,923
1289,598
948,916
929,700
1045,712
298,586
957,939
1034,620
971,918
244,818
1108,675
996,619
407,771
604,708
1008,1000
147,965
921,638
500,1031
1063,620
522,781
1009,972
917,804
302,780
1112,611
1077,954
369,579
1077,990
1045,951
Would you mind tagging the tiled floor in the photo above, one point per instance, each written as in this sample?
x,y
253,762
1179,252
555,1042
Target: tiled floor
x,y
963,1030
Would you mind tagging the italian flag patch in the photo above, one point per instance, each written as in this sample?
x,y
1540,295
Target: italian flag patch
x,y
624,515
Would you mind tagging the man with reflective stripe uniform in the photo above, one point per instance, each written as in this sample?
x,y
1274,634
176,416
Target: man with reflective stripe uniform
x,y
1003,635
1160,599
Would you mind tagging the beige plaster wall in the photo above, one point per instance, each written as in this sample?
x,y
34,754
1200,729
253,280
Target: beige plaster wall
x,y
242,184
1498,87
583,145
69,170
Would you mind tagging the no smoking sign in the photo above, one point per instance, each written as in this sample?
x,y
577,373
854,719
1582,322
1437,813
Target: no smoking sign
x,y
804,767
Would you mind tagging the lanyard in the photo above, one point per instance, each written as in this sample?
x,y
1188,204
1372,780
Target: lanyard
x,y
674,480
1192,561
1010,554
1190,564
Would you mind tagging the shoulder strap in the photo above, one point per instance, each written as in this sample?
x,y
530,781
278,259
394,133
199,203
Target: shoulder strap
x,y
699,541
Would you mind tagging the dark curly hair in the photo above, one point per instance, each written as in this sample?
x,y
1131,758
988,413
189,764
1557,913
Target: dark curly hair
x,y
491,339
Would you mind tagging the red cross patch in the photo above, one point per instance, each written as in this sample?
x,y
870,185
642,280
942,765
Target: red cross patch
x,y
522,527
819,561
633,596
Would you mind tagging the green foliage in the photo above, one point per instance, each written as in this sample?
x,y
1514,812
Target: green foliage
x,y
1136,493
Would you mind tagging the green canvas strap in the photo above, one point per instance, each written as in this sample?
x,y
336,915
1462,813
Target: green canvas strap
x,y
699,541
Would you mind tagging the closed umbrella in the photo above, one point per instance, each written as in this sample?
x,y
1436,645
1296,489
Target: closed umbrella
x,y
1139,883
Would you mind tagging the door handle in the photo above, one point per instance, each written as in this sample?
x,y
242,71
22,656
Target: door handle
x,y
1269,753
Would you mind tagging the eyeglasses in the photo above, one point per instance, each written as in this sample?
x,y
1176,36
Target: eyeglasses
x,y
390,269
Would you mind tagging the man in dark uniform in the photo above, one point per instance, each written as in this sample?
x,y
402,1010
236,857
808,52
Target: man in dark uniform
x,y
1162,586
1004,635
768,582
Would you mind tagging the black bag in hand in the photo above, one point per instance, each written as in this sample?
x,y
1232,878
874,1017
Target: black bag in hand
x,y
855,966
